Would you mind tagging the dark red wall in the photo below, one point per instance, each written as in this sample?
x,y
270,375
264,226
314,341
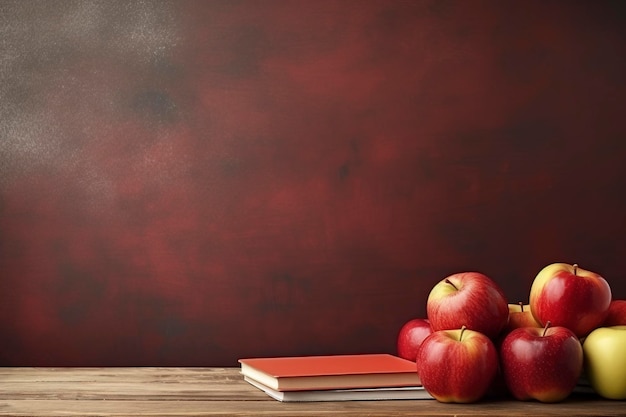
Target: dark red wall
x,y
187,183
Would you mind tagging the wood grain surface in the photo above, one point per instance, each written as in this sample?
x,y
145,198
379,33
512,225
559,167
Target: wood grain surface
x,y
222,391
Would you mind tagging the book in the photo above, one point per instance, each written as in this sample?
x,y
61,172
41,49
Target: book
x,y
356,394
298,373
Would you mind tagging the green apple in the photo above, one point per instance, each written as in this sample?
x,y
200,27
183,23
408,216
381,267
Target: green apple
x,y
605,361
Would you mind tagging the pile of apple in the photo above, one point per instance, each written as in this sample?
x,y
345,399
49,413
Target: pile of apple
x,y
474,343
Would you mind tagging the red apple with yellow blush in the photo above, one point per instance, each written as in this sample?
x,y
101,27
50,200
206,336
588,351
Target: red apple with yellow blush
x,y
569,296
411,336
469,299
457,366
616,315
541,364
520,316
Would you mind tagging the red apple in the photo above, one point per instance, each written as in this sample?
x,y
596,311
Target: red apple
x,y
457,365
541,363
468,299
616,315
410,337
520,316
569,296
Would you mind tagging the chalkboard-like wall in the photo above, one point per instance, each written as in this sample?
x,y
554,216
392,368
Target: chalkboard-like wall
x,y
190,182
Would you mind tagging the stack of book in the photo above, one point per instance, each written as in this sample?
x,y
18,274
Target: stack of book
x,y
334,377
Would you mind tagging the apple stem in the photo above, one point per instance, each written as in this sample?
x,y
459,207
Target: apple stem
x,y
447,281
521,306
575,268
546,328
462,331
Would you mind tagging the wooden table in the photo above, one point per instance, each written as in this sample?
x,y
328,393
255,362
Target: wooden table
x,y
222,391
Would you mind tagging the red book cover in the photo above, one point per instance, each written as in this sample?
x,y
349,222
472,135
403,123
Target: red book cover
x,y
331,372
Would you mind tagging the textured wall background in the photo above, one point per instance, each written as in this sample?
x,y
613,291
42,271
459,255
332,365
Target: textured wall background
x,y
187,183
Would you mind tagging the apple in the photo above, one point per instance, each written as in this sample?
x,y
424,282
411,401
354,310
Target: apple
x,y
569,296
468,299
520,316
410,337
543,364
616,315
605,361
458,365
